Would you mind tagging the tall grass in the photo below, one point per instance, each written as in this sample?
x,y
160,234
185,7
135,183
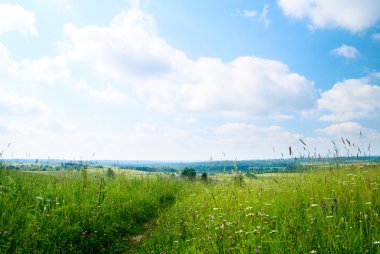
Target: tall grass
x,y
320,211
73,212
326,209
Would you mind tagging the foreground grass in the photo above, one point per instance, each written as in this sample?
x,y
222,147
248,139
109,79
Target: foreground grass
x,y
326,210
77,212
332,210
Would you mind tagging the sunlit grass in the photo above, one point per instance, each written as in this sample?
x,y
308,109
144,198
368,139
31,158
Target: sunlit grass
x,y
77,212
323,211
328,209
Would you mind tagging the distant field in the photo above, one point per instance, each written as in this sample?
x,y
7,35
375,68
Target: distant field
x,y
333,209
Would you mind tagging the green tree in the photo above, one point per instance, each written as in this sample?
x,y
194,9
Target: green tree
x,y
110,173
204,177
189,173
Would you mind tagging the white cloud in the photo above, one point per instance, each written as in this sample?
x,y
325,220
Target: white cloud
x,y
108,94
249,13
346,51
350,99
133,3
131,54
13,17
352,15
21,114
356,133
376,36
66,4
344,129
6,63
247,85
45,69
49,70
250,140
261,17
126,49
281,117
14,104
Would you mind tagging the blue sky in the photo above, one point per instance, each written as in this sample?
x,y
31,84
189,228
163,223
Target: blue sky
x,y
186,80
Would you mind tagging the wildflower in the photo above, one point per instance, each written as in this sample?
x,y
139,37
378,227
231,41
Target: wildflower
x,y
215,208
256,251
313,251
84,232
376,242
314,205
207,227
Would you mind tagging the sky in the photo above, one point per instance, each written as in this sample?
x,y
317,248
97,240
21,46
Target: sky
x,y
188,80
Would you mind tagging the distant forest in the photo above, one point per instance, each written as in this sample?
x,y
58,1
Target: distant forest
x,y
254,166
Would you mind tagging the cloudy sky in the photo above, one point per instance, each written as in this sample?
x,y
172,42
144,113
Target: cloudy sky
x,y
187,80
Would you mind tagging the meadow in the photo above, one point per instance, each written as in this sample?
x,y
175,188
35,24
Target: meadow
x,y
326,209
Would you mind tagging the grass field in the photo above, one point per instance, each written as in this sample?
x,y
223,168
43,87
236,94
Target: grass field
x,y
324,210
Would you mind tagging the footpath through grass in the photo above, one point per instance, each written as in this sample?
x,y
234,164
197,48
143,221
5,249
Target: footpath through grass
x,y
77,212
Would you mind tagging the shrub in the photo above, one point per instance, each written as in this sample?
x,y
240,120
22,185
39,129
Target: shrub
x,y
204,177
110,173
189,173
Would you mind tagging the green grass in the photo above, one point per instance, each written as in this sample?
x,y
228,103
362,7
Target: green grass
x,y
321,211
324,210
77,212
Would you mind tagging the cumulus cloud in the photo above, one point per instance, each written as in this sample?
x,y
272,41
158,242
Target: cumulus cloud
x,y
14,104
251,139
45,69
355,132
14,17
49,70
128,48
22,114
6,62
350,99
250,85
344,129
108,94
131,53
346,51
351,15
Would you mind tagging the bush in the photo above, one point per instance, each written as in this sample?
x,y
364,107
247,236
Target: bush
x,y
204,177
110,173
189,173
